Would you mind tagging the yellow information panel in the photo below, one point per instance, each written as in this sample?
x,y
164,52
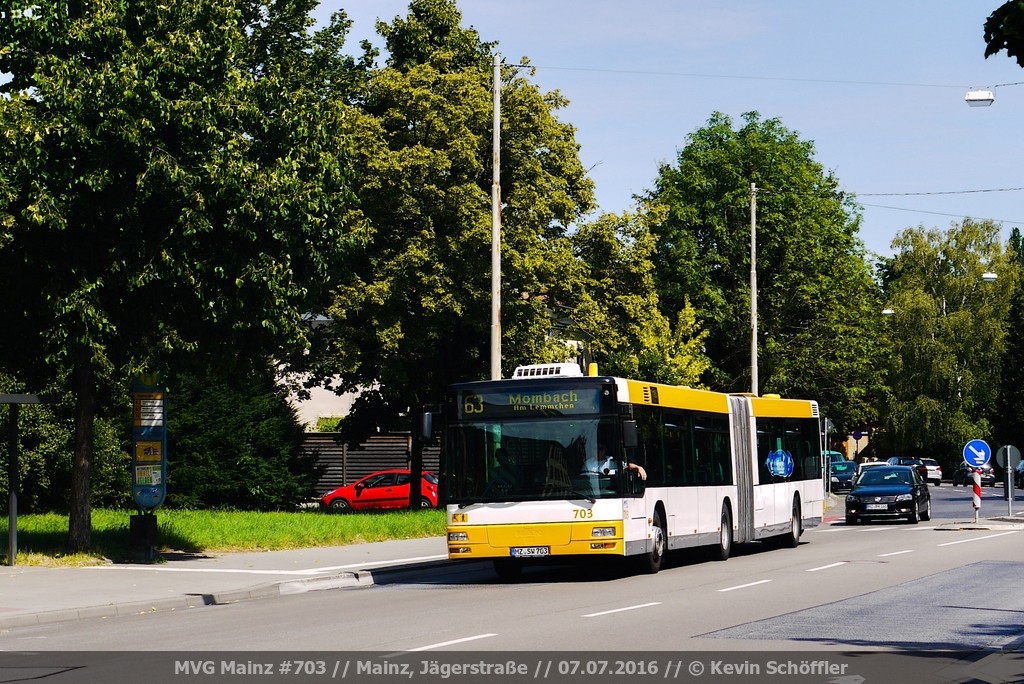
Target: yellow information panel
x,y
148,452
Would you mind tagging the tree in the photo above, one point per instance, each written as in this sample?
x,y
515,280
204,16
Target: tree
x,y
817,302
414,316
617,314
1004,30
168,187
1008,419
235,443
948,333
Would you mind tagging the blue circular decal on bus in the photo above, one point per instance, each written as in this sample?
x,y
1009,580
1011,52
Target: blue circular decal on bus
x,y
780,463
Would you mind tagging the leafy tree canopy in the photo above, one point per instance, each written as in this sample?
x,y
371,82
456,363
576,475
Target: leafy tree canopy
x,y
171,181
948,331
414,315
817,302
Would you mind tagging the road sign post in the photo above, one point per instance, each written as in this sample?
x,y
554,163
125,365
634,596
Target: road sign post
x,y
1008,457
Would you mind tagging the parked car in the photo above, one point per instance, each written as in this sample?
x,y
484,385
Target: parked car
x,y
1018,475
934,471
891,491
841,475
383,489
910,461
964,475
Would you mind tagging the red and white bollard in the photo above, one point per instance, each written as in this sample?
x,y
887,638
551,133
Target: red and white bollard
x,y
977,492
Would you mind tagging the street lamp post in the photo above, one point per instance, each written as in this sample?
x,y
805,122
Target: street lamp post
x,y
753,289
496,227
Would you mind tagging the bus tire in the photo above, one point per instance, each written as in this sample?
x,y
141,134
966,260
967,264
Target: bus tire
x,y
725,535
792,538
508,569
652,560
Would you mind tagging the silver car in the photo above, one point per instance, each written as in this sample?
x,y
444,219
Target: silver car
x,y
934,471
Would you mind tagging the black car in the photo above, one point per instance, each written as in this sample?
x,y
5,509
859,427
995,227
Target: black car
x,y
964,475
889,491
841,475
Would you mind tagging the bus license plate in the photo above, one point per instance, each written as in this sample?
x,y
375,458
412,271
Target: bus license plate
x,y
530,551
877,507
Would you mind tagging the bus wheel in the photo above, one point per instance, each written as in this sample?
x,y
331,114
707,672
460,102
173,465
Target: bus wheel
x,y
792,539
652,560
725,536
508,569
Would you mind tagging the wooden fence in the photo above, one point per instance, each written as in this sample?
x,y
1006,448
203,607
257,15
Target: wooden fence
x,y
341,464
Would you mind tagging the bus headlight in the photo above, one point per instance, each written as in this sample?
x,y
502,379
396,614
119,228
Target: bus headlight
x,y
603,532
458,537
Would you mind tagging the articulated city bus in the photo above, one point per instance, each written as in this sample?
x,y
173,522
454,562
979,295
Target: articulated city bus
x,y
554,464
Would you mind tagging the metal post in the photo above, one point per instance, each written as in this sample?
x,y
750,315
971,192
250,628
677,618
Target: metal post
x,y
753,289
496,227
976,478
12,488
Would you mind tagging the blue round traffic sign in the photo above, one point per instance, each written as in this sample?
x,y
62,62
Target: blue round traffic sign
x,y
977,452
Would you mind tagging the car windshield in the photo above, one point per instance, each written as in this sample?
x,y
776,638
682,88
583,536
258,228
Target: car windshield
x,y
845,467
884,476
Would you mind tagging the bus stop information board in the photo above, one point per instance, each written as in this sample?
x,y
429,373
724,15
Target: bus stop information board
x,y
149,443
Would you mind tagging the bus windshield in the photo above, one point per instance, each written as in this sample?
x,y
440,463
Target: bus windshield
x,y
548,458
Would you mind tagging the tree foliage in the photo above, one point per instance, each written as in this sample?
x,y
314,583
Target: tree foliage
x,y
168,185
235,443
414,315
1004,30
948,332
817,303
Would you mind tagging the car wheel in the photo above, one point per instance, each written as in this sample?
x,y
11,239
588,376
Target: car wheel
x,y
425,503
725,536
913,517
926,514
340,506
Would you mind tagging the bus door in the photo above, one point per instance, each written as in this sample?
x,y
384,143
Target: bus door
x,y
634,498
747,500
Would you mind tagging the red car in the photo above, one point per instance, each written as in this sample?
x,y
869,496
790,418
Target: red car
x,y
384,489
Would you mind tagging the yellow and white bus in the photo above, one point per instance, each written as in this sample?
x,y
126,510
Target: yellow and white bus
x,y
554,464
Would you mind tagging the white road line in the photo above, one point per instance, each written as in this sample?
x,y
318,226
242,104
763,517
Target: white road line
x,y
991,536
450,643
744,586
894,553
826,567
619,610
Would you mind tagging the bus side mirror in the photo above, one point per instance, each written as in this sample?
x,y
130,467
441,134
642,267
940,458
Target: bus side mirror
x,y
425,428
630,440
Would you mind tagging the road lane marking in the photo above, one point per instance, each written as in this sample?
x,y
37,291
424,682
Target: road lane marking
x,y
826,567
973,539
894,553
744,586
450,643
619,610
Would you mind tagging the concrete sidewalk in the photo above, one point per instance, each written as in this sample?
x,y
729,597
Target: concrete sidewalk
x,y
32,595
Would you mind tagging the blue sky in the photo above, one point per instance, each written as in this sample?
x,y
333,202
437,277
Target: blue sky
x,y
878,87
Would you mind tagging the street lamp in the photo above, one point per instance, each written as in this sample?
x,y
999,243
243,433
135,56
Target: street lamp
x,y
979,98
